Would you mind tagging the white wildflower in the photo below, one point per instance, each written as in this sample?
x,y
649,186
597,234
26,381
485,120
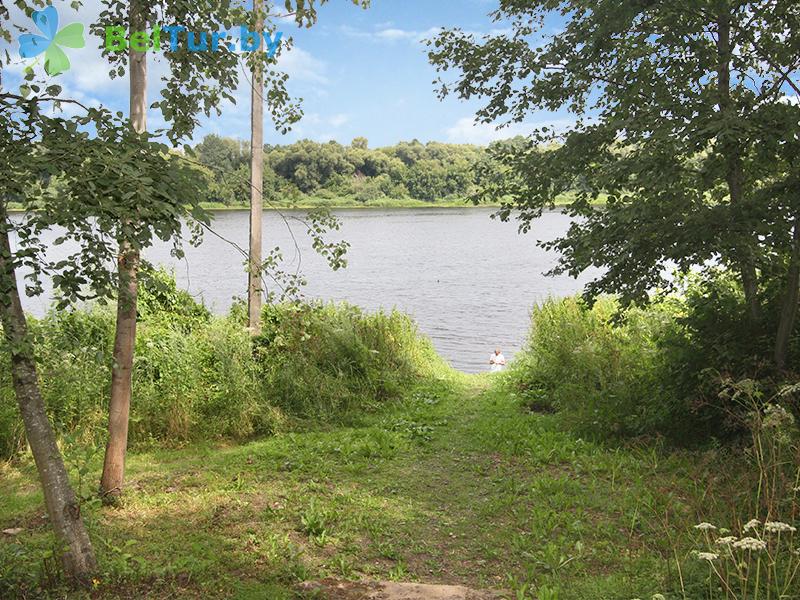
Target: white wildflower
x,y
776,416
751,524
709,556
778,527
726,541
749,543
705,526
658,597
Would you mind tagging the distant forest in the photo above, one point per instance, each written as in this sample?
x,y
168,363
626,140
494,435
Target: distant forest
x,y
432,172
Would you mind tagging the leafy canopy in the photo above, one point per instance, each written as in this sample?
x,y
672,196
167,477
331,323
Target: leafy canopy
x,y
672,102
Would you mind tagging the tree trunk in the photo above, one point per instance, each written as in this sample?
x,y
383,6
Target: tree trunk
x,y
62,506
790,300
128,263
121,383
254,290
731,150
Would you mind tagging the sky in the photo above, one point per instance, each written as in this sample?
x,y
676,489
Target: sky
x,y
359,73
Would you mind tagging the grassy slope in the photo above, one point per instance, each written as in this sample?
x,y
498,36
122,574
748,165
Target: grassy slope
x,y
456,484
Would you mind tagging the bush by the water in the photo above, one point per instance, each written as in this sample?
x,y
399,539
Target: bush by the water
x,y
198,376
661,370
600,374
321,360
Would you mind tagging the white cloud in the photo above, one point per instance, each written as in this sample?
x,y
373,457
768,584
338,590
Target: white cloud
x,y
302,66
394,34
339,119
391,34
286,19
469,131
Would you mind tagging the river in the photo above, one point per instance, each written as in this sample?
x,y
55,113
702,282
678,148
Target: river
x,y
468,280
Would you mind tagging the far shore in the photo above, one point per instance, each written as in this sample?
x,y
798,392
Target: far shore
x,y
342,203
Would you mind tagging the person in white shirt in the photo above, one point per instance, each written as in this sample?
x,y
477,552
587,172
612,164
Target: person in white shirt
x,y
497,360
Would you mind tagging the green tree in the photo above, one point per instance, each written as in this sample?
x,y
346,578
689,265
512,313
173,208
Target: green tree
x,y
197,83
686,117
102,181
20,127
221,154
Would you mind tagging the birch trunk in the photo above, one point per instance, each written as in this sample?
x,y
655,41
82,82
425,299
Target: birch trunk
x,y
112,480
254,288
63,509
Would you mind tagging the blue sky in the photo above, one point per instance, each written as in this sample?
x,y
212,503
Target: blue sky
x,y
359,72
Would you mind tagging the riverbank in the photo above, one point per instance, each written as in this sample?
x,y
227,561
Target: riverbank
x,y
457,483
310,203
339,446
350,202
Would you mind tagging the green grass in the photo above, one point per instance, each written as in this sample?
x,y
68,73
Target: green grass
x,y
350,202
347,202
456,483
312,202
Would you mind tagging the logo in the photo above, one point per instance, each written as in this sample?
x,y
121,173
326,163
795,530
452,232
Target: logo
x,y
176,37
55,60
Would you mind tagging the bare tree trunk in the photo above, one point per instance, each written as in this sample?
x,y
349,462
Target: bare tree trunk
x,y
119,407
790,301
735,174
256,182
62,506
128,263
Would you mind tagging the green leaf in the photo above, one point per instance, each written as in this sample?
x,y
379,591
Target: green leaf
x,y
71,36
55,61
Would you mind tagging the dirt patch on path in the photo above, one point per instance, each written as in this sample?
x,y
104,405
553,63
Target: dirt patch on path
x,y
390,590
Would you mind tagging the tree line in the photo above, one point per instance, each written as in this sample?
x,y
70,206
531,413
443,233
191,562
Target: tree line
x,y
429,172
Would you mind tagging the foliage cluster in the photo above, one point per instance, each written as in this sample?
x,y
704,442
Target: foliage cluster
x,y
686,119
428,172
203,377
661,370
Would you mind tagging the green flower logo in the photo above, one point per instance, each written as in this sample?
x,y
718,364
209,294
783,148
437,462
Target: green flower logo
x,y
71,36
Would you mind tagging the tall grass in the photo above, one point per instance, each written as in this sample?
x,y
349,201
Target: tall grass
x,y
756,555
599,369
199,377
658,370
326,359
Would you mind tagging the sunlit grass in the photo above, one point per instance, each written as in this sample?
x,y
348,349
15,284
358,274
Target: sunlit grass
x,y
457,483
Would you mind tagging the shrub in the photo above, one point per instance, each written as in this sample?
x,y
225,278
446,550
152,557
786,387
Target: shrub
x,y
369,190
197,385
598,368
324,359
662,369
710,341
201,377
160,296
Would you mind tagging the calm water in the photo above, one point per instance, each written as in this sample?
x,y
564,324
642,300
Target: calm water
x,y
468,280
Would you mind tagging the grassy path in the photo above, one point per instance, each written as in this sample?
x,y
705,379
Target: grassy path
x,y
457,484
